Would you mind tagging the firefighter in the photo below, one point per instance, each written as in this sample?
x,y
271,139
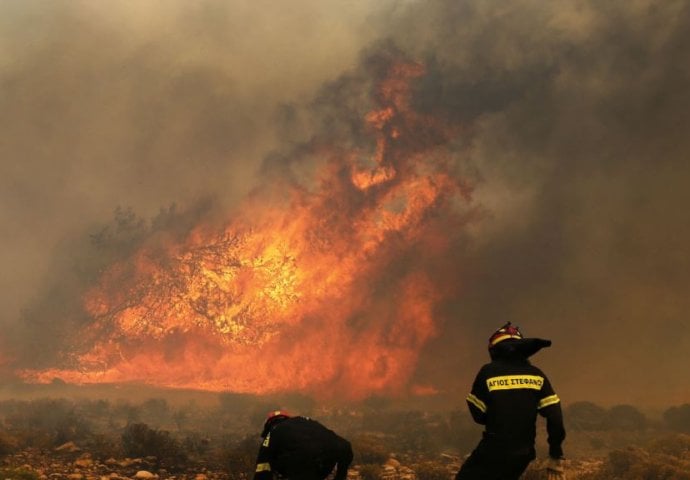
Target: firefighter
x,y
506,396
299,448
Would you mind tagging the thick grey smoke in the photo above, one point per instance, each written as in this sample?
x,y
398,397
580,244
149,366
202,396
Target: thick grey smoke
x,y
573,119
144,104
580,111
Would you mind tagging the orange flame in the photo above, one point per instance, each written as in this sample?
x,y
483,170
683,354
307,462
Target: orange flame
x,y
315,290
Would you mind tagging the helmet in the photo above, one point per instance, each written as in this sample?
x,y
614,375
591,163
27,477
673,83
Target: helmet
x,y
274,417
506,332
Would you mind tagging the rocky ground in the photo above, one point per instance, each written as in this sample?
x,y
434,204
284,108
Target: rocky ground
x,y
68,462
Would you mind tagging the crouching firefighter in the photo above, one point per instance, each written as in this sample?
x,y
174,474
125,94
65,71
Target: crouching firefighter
x,y
299,448
506,396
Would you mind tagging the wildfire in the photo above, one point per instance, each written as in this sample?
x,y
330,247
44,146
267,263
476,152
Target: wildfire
x,y
319,289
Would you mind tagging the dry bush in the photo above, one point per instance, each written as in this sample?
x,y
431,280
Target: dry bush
x,y
369,449
431,471
8,443
625,417
370,471
675,445
138,440
678,418
101,447
18,474
241,457
586,416
665,459
47,423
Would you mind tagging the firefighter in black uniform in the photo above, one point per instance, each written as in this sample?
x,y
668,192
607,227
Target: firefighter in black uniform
x,y
506,396
299,448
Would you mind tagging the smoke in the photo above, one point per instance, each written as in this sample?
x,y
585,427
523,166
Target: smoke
x,y
579,111
144,104
571,119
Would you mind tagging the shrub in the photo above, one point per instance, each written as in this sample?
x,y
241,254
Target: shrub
x,y
626,417
678,418
18,474
48,422
241,457
370,472
103,447
138,440
675,445
635,463
586,416
369,449
431,471
8,444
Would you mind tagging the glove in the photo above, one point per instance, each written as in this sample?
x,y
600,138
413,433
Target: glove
x,y
555,469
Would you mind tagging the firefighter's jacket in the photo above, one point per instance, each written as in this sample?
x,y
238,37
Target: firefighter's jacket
x,y
299,447
506,396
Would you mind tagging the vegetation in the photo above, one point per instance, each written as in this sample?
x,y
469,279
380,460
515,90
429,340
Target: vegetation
x,y
588,416
431,471
678,418
225,437
665,459
18,474
370,471
138,440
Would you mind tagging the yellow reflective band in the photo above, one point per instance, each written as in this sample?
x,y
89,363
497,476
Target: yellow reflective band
x,y
263,467
546,401
504,337
511,382
476,402
268,439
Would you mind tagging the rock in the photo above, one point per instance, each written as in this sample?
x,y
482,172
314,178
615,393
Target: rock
x,y
200,476
392,462
111,461
75,476
83,462
68,447
144,474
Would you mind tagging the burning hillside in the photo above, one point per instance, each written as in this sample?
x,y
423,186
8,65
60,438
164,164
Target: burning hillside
x,y
310,285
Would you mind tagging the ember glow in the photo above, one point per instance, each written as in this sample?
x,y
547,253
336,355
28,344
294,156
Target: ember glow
x,y
319,287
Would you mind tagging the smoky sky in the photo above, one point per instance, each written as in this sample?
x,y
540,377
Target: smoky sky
x,y
573,118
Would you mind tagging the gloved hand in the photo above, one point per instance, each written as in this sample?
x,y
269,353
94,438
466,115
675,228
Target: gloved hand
x,y
555,469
